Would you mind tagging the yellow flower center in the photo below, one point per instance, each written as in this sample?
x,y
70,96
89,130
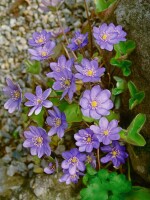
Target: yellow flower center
x,y
39,140
40,40
89,159
16,94
67,82
94,104
58,122
114,153
88,139
39,101
74,160
104,37
106,132
90,73
44,53
78,41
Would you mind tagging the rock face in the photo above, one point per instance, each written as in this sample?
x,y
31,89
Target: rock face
x,y
134,16
40,187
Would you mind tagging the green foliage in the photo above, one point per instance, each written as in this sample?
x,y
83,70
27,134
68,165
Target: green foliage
x,y
73,113
39,119
105,186
138,193
112,115
79,57
124,65
132,134
102,5
136,96
124,48
87,119
33,67
121,86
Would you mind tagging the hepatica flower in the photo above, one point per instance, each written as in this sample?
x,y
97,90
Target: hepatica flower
x,y
39,38
91,159
38,101
57,120
96,102
13,91
37,140
108,35
79,41
106,131
86,140
65,81
70,178
62,64
115,153
52,167
89,71
42,52
74,161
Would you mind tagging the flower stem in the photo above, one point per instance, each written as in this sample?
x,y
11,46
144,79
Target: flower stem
x,y
90,27
62,29
98,159
129,177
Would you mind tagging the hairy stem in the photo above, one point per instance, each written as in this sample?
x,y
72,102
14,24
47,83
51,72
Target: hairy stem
x,y
62,29
90,27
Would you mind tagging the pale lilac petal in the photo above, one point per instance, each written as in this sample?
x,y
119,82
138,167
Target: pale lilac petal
x,y
47,104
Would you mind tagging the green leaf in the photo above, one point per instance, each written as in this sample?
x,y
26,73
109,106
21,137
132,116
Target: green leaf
x,y
33,67
121,86
123,64
87,119
73,113
132,88
136,96
112,116
124,48
105,186
102,5
90,170
79,57
138,193
132,134
85,179
39,119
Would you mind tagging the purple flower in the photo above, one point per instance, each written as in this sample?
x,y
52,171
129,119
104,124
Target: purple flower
x,y
79,41
52,167
38,100
60,65
89,71
96,102
86,140
106,131
108,35
38,142
70,178
73,161
91,159
13,91
47,4
57,120
39,38
116,154
65,80
42,52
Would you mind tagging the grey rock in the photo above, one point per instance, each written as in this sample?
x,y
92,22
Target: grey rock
x,y
134,16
